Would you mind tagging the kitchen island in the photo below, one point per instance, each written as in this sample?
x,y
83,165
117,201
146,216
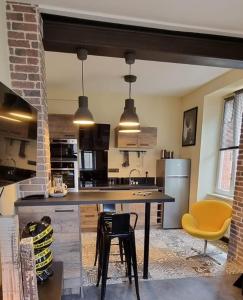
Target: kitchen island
x,y
65,215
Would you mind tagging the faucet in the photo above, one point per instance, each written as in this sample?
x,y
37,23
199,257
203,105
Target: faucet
x,y
130,173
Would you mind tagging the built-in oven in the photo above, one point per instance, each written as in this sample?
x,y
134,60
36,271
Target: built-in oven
x,y
69,171
64,161
64,149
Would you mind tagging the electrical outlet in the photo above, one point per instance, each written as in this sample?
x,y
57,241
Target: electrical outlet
x,y
113,170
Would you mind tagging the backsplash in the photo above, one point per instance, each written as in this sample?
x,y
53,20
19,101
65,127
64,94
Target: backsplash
x,y
125,180
145,163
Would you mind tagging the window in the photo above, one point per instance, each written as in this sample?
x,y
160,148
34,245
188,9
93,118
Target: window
x,y
229,144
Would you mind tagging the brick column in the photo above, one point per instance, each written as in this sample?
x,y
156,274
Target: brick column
x,y
28,78
236,230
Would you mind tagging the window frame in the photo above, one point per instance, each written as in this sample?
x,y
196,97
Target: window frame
x,y
235,152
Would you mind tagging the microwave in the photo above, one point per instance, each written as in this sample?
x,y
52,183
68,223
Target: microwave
x,y
64,149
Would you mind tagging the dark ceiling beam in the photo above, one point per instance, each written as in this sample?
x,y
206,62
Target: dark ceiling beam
x,y
64,34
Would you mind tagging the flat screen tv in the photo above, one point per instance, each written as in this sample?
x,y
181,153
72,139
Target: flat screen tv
x,y
18,138
95,137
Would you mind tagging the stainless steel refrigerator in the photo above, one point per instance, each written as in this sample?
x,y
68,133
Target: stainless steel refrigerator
x,y
173,176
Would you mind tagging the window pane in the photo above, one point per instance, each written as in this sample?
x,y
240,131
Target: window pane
x,y
225,171
228,125
232,122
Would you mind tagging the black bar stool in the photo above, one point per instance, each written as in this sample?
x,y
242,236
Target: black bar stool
x,y
108,210
118,226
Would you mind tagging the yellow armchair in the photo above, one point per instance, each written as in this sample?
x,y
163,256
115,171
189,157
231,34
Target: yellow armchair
x,y
208,220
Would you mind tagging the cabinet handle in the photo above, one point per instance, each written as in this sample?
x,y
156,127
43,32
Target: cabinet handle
x,y
131,144
89,216
64,210
144,144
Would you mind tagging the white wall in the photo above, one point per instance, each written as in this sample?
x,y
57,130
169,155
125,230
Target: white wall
x,y
9,194
161,112
221,87
210,138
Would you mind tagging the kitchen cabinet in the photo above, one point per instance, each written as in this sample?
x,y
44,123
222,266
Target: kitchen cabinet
x,y
67,245
147,138
139,208
89,217
62,127
126,140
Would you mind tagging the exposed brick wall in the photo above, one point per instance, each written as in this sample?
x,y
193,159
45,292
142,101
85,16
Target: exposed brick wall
x,y
28,78
236,230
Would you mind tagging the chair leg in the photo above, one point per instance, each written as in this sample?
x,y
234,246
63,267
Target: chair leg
x,y
105,264
121,250
205,248
135,267
97,242
100,260
128,260
96,250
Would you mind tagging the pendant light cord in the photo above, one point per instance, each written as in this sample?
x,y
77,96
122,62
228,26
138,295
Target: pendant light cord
x,y
130,84
83,77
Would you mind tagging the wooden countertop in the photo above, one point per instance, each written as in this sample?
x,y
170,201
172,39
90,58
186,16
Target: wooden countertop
x,y
100,197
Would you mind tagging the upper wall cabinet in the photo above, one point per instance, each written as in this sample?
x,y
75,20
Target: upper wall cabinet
x,y
62,127
147,138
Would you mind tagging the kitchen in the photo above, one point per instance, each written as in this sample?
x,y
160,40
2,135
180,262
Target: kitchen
x,y
120,158
125,162
100,158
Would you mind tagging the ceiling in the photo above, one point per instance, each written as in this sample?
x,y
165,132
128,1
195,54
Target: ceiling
x,y
223,17
105,75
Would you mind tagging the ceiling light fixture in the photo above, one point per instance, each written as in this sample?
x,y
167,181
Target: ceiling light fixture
x,y
129,121
83,116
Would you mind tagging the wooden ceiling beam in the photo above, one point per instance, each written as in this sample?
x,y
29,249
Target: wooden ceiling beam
x,y
65,34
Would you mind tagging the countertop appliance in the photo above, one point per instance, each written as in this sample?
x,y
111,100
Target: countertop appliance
x,y
173,176
64,161
18,138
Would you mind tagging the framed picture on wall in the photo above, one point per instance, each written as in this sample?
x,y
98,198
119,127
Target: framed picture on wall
x,y
189,127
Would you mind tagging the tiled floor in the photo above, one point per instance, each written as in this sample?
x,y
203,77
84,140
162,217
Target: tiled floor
x,y
169,253
200,288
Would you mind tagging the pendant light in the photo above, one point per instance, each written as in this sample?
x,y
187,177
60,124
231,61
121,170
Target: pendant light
x,y
129,121
83,116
